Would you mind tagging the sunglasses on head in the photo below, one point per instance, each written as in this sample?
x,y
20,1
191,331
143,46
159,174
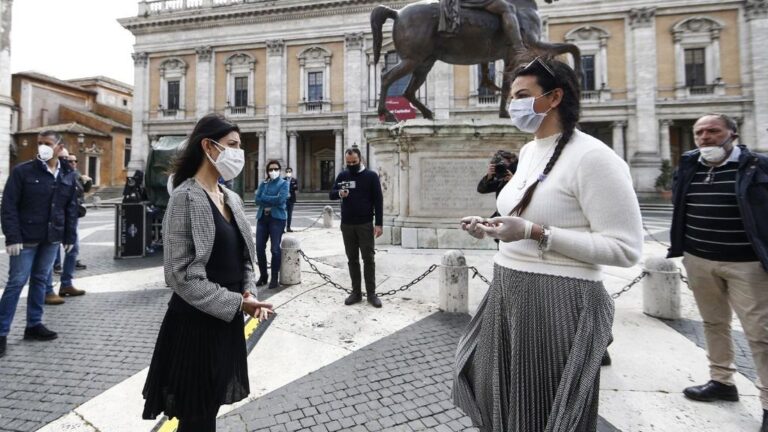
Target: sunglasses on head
x,y
538,61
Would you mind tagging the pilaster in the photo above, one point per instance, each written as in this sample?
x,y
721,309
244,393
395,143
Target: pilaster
x,y
139,140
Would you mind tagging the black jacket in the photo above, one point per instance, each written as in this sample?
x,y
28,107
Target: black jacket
x,y
751,195
37,208
294,186
365,200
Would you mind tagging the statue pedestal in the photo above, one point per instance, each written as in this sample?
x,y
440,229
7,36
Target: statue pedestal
x,y
429,174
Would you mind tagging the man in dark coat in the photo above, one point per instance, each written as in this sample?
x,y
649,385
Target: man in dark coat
x,y
39,214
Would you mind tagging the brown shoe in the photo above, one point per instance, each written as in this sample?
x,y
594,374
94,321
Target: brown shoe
x,y
70,292
53,299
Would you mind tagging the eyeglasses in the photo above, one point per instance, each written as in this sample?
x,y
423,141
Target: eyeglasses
x,y
273,170
73,161
540,62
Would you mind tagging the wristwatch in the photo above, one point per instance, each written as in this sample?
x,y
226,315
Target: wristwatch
x,y
546,233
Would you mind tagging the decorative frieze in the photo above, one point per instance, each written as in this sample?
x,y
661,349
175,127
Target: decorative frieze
x,y
354,41
275,47
642,17
755,9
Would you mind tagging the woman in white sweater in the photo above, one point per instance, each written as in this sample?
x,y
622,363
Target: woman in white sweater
x,y
530,358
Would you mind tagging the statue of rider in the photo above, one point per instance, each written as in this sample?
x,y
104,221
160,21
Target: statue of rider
x,y
450,19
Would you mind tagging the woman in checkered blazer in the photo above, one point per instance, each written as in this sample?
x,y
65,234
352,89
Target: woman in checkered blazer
x,y
199,361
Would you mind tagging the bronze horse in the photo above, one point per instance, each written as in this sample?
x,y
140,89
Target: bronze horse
x,y
479,40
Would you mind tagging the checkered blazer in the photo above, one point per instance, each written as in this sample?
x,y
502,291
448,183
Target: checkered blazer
x,y
188,233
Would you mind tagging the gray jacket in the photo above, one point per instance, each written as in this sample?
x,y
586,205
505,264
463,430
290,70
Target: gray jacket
x,y
187,242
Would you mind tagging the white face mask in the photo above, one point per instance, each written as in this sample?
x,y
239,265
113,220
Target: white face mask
x,y
274,174
229,163
289,175
524,116
715,154
44,153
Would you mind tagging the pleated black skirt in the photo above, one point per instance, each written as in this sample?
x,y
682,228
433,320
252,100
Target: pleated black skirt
x,y
530,358
199,364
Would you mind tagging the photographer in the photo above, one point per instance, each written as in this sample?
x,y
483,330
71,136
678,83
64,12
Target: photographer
x,y
500,171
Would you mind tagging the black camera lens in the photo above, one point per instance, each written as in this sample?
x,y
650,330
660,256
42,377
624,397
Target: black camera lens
x,y
501,170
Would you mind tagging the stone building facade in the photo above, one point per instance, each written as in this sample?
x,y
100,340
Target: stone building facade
x,y
298,76
6,102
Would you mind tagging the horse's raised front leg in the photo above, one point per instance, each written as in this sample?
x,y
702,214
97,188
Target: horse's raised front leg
x,y
417,80
387,78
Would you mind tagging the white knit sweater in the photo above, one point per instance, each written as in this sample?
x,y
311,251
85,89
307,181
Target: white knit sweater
x,y
588,202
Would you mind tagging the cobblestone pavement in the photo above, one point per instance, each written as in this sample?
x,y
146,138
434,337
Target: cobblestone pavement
x,y
400,383
694,331
103,339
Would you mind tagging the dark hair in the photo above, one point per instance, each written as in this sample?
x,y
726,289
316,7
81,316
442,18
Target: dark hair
x,y
552,74
503,154
354,150
289,169
53,134
212,126
727,120
271,162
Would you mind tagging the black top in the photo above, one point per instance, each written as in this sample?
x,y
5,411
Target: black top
x,y
227,263
714,227
364,200
292,188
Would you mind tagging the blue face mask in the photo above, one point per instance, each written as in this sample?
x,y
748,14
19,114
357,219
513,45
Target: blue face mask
x,y
524,116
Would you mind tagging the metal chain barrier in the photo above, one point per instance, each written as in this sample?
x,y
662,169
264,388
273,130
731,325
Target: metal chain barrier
x,y
684,279
317,219
653,237
629,286
407,286
476,273
322,275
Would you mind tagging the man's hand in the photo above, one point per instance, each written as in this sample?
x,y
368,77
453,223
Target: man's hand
x,y
377,231
504,228
491,171
14,249
508,176
471,225
255,308
343,193
68,247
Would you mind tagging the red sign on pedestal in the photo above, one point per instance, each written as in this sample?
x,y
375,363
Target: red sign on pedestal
x,y
400,108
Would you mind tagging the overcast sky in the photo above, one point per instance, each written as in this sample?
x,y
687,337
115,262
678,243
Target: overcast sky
x,y
73,38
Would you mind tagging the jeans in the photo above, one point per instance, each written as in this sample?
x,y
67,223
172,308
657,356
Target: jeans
x,y
67,270
358,239
269,228
33,264
289,208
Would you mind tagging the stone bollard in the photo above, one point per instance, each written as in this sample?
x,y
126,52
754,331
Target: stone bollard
x,y
454,283
290,261
328,217
96,201
661,289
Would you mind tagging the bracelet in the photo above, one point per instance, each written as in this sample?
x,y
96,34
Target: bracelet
x,y
544,240
528,229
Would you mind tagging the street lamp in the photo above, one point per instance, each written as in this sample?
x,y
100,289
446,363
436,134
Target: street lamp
x,y
80,141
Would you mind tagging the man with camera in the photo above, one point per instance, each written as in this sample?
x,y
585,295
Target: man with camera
x,y
361,200
500,171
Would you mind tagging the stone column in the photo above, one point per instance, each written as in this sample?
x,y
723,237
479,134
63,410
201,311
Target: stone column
x,y
292,153
275,73
6,102
665,150
306,181
262,156
618,138
353,85
203,78
646,159
139,140
441,75
339,134
756,12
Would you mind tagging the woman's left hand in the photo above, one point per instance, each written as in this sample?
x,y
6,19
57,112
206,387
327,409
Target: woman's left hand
x,y
504,228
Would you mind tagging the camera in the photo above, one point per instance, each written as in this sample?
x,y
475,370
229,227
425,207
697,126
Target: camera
x,y
347,184
501,170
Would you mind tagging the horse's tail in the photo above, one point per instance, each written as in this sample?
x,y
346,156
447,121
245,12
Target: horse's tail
x,y
379,15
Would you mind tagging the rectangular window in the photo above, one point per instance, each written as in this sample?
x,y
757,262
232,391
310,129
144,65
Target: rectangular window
x,y
315,86
695,68
127,153
93,169
398,87
241,91
174,95
481,89
588,72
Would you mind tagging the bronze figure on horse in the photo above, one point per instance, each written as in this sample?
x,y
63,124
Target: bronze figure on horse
x,y
462,32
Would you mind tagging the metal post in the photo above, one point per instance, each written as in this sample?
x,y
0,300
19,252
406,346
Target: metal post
x,y
661,289
290,261
454,283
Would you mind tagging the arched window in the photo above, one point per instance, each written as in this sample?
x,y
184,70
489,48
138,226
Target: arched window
x,y
173,72
697,57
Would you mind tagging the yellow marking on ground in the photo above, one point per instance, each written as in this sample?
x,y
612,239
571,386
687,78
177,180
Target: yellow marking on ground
x,y
250,327
169,425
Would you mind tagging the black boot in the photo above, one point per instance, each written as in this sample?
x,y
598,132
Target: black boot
x,y
606,361
273,284
355,297
712,391
262,280
764,428
373,299
355,276
3,341
40,333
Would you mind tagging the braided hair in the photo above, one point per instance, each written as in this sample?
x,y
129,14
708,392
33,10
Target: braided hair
x,y
551,74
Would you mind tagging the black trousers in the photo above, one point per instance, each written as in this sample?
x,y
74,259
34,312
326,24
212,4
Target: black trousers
x,y
200,424
358,239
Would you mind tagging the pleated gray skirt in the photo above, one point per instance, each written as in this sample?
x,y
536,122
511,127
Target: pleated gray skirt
x,y
530,358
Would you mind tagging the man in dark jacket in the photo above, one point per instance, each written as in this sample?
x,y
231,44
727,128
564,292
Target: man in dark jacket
x,y
292,188
39,213
720,227
361,200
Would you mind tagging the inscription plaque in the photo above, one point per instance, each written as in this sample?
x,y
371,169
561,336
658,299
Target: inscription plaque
x,y
451,185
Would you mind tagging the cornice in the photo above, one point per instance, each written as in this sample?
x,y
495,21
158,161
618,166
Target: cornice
x,y
247,14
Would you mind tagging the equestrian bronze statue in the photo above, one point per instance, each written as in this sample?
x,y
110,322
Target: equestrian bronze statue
x,y
463,32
